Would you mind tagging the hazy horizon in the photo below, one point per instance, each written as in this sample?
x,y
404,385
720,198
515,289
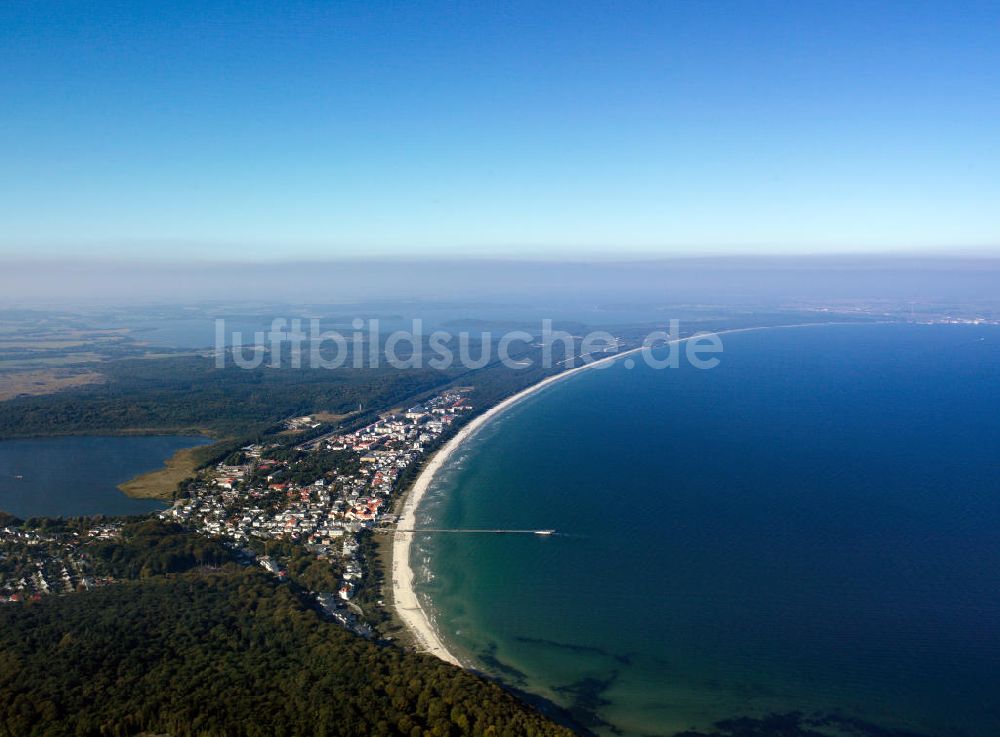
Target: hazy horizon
x,y
693,279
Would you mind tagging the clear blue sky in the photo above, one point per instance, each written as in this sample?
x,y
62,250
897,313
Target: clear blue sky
x,y
264,129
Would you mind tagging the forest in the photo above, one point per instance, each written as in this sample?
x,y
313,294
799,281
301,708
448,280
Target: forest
x,y
195,646
190,394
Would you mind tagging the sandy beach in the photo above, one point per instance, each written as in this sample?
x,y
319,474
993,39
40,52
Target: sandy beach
x,y
407,605
405,600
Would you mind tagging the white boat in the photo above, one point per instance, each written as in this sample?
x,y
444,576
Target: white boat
x,y
544,532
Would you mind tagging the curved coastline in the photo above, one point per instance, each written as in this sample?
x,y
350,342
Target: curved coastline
x,y
405,601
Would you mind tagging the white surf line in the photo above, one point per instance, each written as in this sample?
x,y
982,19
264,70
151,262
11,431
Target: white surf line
x,y
404,597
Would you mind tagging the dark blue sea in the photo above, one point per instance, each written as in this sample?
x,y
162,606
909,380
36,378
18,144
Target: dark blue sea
x,y
813,526
75,476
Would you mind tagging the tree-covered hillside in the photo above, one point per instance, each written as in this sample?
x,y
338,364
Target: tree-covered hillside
x,y
223,651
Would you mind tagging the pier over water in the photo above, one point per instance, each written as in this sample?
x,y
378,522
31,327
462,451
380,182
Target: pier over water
x,y
469,530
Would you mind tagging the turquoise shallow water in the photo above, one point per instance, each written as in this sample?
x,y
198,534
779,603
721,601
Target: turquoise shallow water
x,y
66,477
814,525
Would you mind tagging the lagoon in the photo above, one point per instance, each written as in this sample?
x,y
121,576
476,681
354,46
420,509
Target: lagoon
x,y
71,476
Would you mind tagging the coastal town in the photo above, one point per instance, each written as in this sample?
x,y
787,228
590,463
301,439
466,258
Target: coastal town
x,y
299,509
321,495
37,562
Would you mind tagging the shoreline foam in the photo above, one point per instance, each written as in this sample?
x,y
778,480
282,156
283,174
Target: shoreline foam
x,y
405,601
404,597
